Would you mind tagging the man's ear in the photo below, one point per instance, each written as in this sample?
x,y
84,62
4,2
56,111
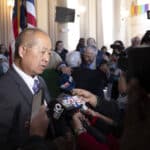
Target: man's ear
x,y
22,51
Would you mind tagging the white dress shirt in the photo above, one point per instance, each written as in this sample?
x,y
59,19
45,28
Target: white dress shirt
x,y
27,79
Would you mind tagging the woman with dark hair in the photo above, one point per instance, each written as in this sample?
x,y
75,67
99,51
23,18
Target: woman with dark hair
x,y
59,48
81,45
137,122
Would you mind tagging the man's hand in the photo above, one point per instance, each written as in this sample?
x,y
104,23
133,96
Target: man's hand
x,y
39,123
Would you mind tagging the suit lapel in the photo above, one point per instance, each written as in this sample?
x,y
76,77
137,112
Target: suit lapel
x,y
22,87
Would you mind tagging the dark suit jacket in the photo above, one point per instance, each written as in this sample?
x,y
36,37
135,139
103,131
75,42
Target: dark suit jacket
x,y
15,108
91,80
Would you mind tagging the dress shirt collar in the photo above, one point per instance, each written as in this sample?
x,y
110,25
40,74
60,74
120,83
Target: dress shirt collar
x,y
27,79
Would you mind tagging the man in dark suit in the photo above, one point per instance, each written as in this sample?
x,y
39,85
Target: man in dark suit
x,y
32,53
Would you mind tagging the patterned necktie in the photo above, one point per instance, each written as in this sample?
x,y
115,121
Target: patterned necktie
x,y
36,86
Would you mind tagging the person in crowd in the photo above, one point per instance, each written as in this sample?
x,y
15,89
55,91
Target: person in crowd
x,y
87,71
84,139
59,48
135,41
55,59
86,78
91,42
122,88
137,122
73,59
51,75
91,58
107,108
118,55
20,84
99,54
117,47
93,129
103,76
106,54
146,38
5,50
81,45
104,49
4,63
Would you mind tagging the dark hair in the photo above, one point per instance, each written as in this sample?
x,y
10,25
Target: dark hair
x,y
137,121
146,38
103,62
103,48
117,45
139,64
57,42
94,48
81,44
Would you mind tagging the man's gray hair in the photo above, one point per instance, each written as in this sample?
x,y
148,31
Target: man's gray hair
x,y
92,47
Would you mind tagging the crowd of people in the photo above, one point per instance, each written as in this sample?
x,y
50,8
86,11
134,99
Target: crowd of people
x,y
112,91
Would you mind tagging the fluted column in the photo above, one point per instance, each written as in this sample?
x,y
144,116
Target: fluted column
x,y
88,19
42,14
5,22
99,25
52,25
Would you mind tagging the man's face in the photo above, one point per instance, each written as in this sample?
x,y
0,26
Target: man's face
x,y
89,56
36,58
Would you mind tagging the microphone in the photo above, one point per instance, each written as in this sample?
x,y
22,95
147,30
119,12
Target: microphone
x,y
58,110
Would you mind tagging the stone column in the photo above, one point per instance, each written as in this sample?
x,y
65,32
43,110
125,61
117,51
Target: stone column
x,y
99,25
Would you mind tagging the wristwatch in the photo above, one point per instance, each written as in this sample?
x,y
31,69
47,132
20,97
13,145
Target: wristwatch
x,y
79,130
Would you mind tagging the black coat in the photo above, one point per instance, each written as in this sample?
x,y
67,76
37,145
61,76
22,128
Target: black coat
x,y
91,80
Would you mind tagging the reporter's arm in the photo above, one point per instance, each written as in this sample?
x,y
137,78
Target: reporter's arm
x,y
85,140
107,108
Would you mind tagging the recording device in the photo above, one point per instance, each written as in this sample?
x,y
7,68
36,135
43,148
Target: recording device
x,y
58,110
61,111
65,106
70,102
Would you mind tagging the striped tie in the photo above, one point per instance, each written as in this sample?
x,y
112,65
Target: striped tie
x,y
36,86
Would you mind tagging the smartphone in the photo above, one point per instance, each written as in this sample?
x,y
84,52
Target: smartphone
x,y
70,102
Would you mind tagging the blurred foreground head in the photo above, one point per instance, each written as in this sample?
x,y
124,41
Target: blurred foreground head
x,y
139,65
